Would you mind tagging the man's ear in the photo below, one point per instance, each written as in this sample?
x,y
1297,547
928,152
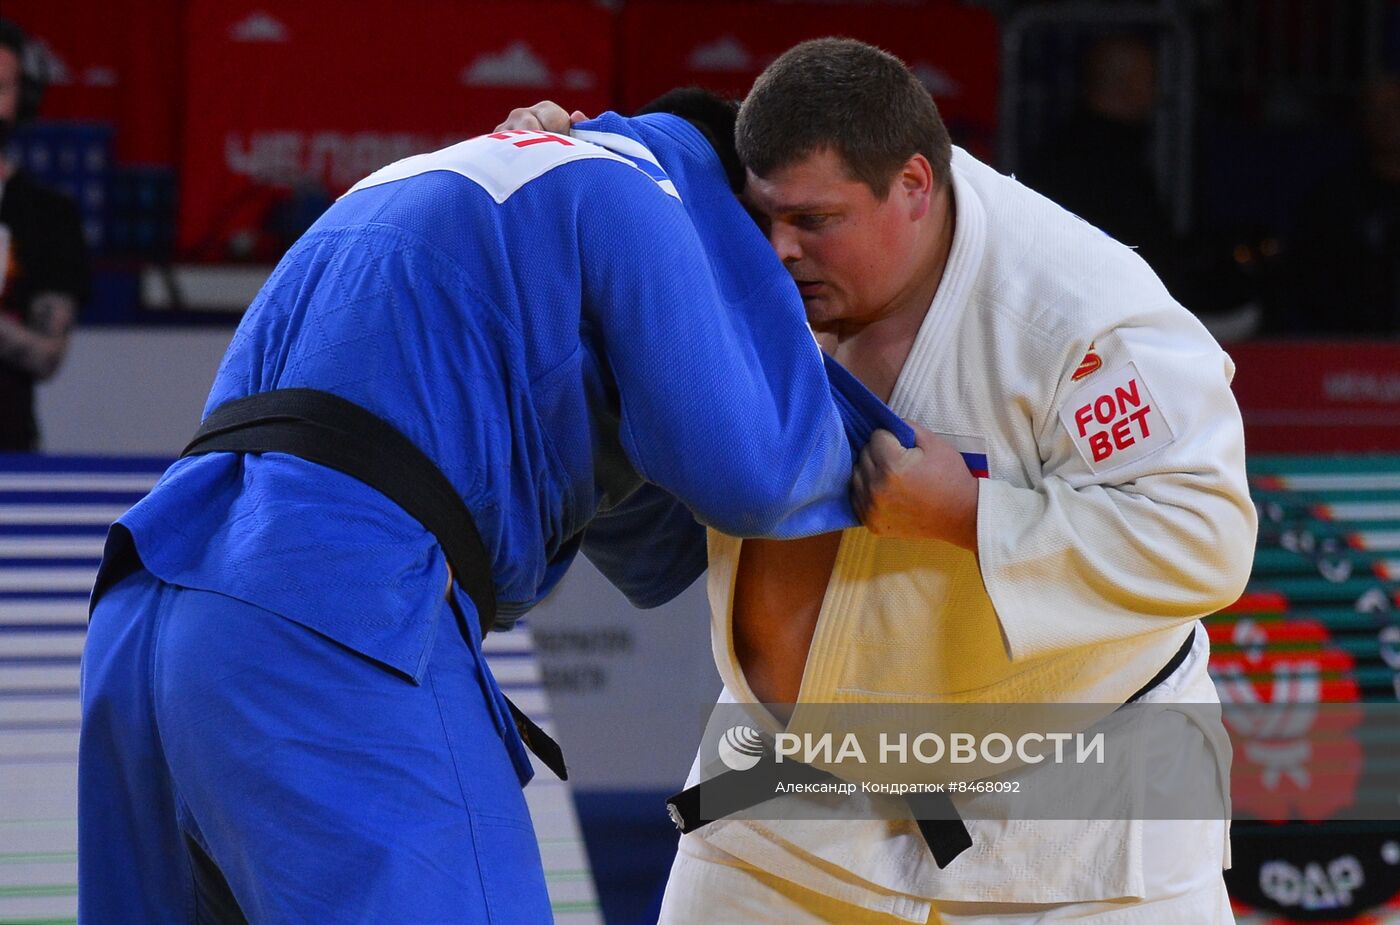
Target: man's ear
x,y
915,182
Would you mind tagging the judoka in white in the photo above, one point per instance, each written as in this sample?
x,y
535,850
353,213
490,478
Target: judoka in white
x,y
1033,350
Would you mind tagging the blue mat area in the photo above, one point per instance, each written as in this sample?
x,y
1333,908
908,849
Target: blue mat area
x,y
631,842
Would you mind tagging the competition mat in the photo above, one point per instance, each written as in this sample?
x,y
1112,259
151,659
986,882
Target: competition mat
x,y
54,513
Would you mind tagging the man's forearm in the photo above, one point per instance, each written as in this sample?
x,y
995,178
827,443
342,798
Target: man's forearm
x,y
38,348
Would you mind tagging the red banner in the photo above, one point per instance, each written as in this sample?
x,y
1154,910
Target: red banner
x,y
322,92
953,49
1318,397
116,61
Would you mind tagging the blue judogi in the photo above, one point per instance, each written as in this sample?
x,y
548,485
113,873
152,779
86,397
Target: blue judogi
x,y
565,327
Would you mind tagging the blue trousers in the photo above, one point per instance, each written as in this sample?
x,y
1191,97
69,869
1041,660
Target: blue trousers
x,y
235,766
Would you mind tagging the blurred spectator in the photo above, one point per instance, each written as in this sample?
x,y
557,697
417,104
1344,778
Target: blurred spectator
x,y
1098,167
43,258
1347,257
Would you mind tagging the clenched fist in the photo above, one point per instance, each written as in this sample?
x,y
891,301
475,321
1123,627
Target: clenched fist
x,y
922,493
544,116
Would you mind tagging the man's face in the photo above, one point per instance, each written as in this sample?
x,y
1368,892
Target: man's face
x,y
9,85
850,252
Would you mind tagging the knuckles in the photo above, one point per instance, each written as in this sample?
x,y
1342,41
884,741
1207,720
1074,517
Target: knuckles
x,y
873,510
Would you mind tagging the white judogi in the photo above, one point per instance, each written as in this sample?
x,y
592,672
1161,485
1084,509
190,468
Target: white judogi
x,y
1116,512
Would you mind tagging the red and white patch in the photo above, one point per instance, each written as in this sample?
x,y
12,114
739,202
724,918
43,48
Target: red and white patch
x,y
1090,364
1115,420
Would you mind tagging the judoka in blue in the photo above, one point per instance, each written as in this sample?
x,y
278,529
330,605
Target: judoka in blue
x,y
282,721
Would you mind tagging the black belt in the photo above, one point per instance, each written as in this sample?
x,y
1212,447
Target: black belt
x,y
943,829
333,432
1169,668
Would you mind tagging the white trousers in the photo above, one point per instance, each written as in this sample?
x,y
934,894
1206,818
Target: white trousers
x,y
711,887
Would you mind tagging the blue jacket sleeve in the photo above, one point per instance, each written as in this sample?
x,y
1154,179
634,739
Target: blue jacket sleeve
x,y
862,412
649,547
725,402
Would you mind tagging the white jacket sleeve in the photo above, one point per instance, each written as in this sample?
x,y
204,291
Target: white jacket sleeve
x,y
1141,517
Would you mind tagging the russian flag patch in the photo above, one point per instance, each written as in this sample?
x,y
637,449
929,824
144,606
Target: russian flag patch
x,y
973,451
